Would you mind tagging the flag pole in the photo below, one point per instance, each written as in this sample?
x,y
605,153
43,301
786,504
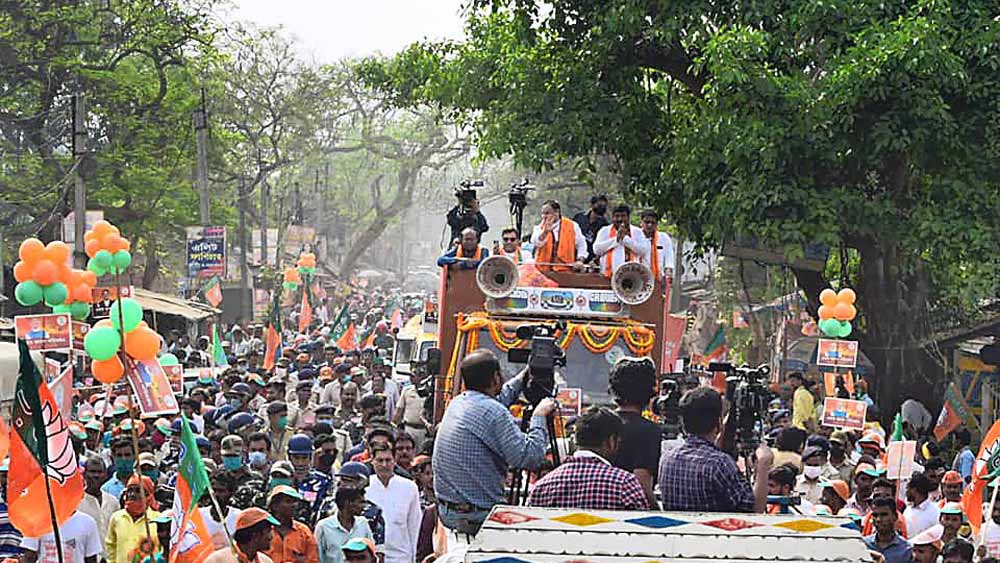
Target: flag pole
x,y
993,500
52,513
222,517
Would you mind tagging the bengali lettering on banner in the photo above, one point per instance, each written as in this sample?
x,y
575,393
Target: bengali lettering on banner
x,y
206,252
673,333
837,353
45,332
152,388
844,413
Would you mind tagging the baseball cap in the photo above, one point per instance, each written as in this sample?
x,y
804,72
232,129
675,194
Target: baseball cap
x,y
77,430
952,477
253,516
359,544
284,490
873,438
930,536
869,470
147,459
95,425
163,426
952,508
165,517
811,451
283,468
822,510
353,469
840,437
230,444
839,487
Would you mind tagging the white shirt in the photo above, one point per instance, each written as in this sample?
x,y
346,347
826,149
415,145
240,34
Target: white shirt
x,y
536,237
921,517
214,528
79,537
992,535
634,241
664,252
100,510
400,504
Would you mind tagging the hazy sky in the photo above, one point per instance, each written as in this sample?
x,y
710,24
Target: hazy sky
x,y
333,29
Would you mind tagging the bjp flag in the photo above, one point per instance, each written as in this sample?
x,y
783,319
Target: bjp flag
x,y
985,469
44,476
189,538
306,314
348,340
954,412
272,343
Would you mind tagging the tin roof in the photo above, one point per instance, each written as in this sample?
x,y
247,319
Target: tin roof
x,y
514,534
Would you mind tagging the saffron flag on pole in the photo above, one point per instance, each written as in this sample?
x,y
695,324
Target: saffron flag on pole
x,y
189,537
272,343
213,291
953,413
348,340
716,346
984,470
340,324
41,456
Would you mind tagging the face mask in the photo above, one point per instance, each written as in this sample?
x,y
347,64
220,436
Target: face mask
x,y
324,421
347,378
276,481
257,459
812,472
282,422
236,403
601,209
135,508
325,461
124,466
153,474
232,462
241,369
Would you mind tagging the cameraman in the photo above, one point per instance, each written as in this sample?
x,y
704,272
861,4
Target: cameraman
x,y
632,383
698,476
478,440
466,214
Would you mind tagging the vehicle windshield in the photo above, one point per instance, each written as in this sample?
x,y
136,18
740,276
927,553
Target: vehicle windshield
x,y
404,349
584,369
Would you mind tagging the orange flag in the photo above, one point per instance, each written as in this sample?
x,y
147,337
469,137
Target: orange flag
x,y
306,314
348,340
190,541
44,475
983,471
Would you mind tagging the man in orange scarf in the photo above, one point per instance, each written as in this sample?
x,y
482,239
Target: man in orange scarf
x,y
511,247
620,242
559,243
467,254
661,247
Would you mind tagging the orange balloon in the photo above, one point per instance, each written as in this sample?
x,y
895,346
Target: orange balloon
x,y
828,297
65,274
45,272
57,251
825,312
93,245
126,244
101,228
842,312
108,371
142,344
89,278
846,295
104,322
854,313
31,250
22,271
81,293
89,236
4,438
110,242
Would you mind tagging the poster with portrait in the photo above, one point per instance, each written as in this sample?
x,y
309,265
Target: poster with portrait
x,y
45,332
152,388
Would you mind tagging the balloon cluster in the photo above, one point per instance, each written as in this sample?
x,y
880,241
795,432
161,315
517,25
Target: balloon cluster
x,y
107,249
104,341
307,263
80,286
42,273
292,279
836,312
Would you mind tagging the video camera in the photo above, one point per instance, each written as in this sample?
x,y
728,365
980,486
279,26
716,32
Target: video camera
x,y
466,194
667,404
748,397
518,199
542,359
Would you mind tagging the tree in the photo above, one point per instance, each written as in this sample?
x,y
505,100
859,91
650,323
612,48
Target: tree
x,y
864,125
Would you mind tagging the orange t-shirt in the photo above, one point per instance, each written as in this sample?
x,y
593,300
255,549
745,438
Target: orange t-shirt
x,y
298,545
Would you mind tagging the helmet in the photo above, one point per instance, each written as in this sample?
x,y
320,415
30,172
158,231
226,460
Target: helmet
x,y
242,388
300,444
239,421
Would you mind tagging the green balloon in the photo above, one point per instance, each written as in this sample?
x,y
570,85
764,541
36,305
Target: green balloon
x,y
131,313
844,330
79,310
123,258
169,360
103,259
102,343
28,293
55,294
61,309
290,286
828,327
93,266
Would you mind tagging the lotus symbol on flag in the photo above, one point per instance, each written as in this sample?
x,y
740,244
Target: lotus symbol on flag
x,y
988,463
62,459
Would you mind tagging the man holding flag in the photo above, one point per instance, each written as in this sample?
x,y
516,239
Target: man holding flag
x,y
190,540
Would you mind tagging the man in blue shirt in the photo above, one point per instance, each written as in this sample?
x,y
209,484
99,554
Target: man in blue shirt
x,y
965,460
885,540
467,255
478,440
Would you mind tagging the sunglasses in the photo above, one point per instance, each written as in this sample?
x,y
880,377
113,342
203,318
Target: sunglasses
x,y
505,239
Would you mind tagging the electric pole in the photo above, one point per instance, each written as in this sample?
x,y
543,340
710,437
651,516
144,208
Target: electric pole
x,y
297,209
245,303
265,189
201,169
79,189
676,283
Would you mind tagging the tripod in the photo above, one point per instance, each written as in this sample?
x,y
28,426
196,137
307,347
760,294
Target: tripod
x,y
522,477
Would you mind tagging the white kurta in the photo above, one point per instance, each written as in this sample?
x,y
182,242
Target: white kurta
x,y
664,252
581,242
400,504
635,241
921,517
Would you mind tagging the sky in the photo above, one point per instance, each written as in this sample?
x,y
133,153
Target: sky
x,y
329,30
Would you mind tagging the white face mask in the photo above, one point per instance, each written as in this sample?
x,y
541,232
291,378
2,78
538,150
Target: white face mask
x,y
812,472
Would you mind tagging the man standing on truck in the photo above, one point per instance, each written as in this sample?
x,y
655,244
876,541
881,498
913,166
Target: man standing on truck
x,y
479,439
592,221
558,242
620,242
661,247
467,254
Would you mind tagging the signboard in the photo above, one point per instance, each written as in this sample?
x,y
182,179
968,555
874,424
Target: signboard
x,y
62,391
673,334
69,228
837,353
844,413
559,301
899,459
175,374
80,330
152,388
293,241
570,401
44,332
102,298
52,370
206,252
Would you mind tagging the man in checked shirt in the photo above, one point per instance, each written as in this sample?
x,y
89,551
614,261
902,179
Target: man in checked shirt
x,y
697,476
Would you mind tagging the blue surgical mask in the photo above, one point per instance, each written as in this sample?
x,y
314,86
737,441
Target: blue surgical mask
x,y
277,481
232,462
124,466
257,459
347,378
236,403
153,474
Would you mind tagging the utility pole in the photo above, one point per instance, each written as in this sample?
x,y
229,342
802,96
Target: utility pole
x,y
201,170
79,189
677,285
245,313
265,189
297,204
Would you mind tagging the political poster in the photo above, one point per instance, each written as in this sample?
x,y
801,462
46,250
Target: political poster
x,y
673,333
206,252
837,353
175,374
103,297
899,459
45,332
844,413
62,391
80,330
570,399
152,388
